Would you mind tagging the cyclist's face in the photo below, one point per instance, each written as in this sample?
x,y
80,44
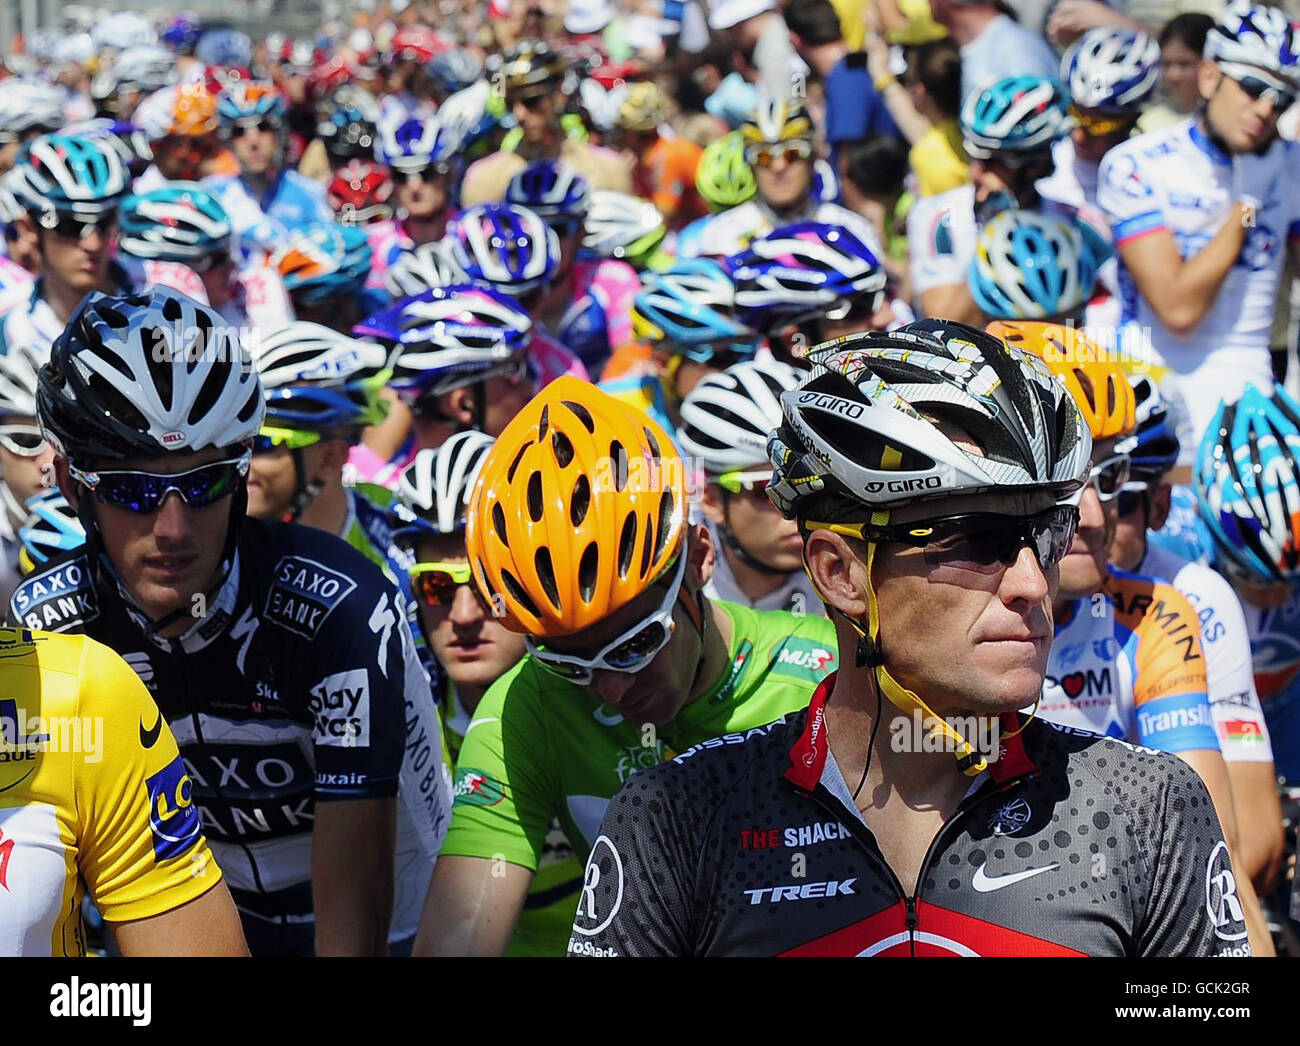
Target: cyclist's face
x,y
472,646
218,282
272,480
1244,123
505,399
784,183
659,691
25,476
858,320
754,522
1130,542
254,148
1084,569
535,114
166,557
423,198
1178,64
995,630
79,261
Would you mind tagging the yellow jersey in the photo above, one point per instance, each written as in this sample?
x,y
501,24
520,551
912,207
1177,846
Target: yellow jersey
x,y
93,796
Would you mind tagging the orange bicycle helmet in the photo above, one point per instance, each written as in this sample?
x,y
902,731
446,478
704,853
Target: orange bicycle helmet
x,y
1098,384
579,507
194,113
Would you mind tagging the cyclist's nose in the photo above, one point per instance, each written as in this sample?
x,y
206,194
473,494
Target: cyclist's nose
x,y
611,687
465,609
1024,579
1091,516
171,520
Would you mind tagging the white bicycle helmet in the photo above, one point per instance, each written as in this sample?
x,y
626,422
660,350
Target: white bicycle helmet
x,y
1254,40
1114,70
319,379
18,372
56,172
620,225
854,428
29,105
416,270
729,416
437,484
509,248
147,374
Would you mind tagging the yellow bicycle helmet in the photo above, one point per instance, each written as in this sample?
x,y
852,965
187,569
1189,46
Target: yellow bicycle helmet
x,y
777,120
579,507
644,107
1098,385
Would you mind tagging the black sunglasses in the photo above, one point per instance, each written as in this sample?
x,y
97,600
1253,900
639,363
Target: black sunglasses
x,y
265,126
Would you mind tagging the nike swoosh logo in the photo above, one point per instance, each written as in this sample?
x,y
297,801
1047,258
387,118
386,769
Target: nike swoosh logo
x,y
149,737
988,883
486,719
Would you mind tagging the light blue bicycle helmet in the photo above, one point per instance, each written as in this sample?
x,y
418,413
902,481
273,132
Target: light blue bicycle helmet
x,y
66,173
1030,266
180,222
1018,114
52,528
689,310
1247,484
324,263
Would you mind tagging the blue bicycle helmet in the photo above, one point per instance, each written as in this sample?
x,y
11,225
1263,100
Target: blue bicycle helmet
x,y
1247,484
506,247
1031,266
324,263
224,47
803,271
246,100
1111,69
455,70
552,190
1153,447
67,173
449,337
317,379
689,311
1255,40
417,143
1017,114
182,33
180,222
52,528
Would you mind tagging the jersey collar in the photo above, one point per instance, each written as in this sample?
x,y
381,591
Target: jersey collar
x,y
1202,141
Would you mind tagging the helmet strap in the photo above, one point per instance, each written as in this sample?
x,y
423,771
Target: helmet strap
x,y
738,550
304,492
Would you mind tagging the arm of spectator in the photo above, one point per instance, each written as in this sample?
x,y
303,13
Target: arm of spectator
x,y
883,16
892,93
1070,19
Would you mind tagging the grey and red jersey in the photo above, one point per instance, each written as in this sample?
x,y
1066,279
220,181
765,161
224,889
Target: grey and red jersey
x,y
1069,844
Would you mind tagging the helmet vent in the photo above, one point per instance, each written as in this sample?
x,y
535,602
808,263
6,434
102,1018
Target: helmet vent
x,y
627,545
112,317
518,594
580,501
654,443
544,423
546,575
587,570
582,414
535,500
1085,383
619,463
563,448
667,508
647,545
499,523
514,465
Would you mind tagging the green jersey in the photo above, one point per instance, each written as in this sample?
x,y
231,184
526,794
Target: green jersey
x,y
539,749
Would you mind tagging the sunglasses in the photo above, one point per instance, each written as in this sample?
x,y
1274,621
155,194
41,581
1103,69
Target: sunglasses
x,y
271,438
144,492
24,440
76,227
436,170
1016,161
1108,477
425,404
630,652
436,584
1131,498
1280,99
754,482
719,354
265,126
531,102
766,155
1101,126
981,542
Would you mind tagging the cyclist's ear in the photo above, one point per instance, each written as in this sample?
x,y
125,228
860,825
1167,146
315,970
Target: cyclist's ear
x,y
711,496
59,476
700,556
459,406
837,568
1160,502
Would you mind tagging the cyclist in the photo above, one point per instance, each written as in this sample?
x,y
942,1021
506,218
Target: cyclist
x,y
347,125
1031,266
812,282
726,420
1126,660
588,301
421,155
51,527
779,147
531,75
919,464
116,824
25,457
281,658
1238,718
266,198
626,228
686,318
69,189
1201,212
664,164
180,124
27,108
461,362
325,268
628,663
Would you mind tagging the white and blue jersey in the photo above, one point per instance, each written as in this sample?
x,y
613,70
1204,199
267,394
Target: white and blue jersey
x,y
264,219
